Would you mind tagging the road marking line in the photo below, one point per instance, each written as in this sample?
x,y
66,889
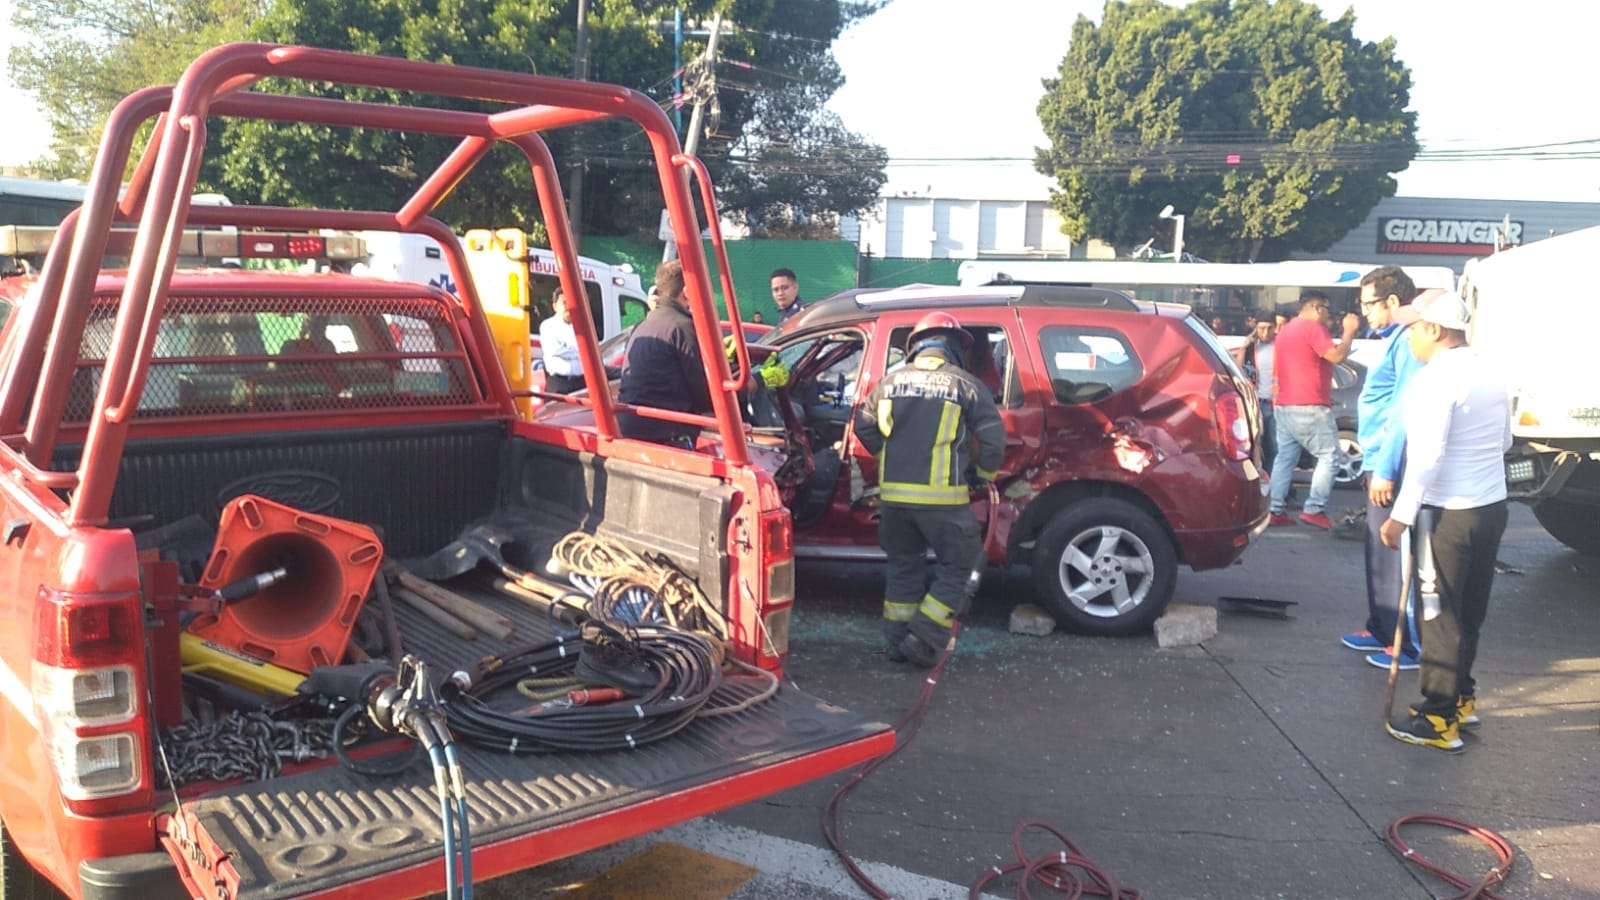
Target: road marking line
x,y
796,861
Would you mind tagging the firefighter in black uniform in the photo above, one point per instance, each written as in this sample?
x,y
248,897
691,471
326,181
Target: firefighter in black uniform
x,y
920,421
663,367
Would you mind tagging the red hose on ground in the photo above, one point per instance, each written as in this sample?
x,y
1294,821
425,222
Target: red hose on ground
x,y
1469,890
906,729
1054,870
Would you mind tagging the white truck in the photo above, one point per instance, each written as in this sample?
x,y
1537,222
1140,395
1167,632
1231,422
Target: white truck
x,y
1535,312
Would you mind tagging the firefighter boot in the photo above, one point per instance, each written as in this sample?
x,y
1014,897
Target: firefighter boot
x,y
896,625
930,631
916,651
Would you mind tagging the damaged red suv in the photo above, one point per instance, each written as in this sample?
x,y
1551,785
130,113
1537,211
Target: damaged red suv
x,y
1131,438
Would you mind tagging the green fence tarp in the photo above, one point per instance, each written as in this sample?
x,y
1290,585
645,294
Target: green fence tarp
x,y
822,267
879,272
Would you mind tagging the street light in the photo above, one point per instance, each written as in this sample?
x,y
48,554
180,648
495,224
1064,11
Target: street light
x,y
1177,231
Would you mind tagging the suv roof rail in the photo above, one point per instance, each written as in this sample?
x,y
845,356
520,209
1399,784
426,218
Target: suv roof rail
x,y
1082,297
918,296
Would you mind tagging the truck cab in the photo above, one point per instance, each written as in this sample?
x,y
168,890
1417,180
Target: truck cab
x,y
1533,311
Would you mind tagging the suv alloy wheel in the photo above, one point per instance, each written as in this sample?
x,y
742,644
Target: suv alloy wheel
x,y
1105,567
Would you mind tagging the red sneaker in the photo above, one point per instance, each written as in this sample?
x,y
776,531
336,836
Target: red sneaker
x,y
1317,520
1279,519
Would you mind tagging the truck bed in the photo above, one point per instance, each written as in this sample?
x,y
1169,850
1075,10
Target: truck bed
x,y
333,832
323,830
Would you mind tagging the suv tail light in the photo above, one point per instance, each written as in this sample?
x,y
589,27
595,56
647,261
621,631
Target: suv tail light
x,y
88,692
1233,427
777,552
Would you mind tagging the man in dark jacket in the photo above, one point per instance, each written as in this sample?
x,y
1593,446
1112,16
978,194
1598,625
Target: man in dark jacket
x,y
920,421
663,367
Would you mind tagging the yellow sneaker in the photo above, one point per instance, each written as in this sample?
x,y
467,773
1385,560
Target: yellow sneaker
x,y
1427,730
1467,711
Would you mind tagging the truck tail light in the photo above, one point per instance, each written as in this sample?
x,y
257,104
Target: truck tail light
x,y
86,631
88,693
93,767
777,549
1233,427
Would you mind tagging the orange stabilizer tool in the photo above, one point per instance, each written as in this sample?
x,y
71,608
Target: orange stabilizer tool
x,y
304,620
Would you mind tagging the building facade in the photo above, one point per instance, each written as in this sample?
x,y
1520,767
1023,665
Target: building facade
x,y
944,212
977,212
1436,231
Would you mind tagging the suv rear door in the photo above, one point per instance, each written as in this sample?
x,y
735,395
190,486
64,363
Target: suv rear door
x,y
997,340
831,388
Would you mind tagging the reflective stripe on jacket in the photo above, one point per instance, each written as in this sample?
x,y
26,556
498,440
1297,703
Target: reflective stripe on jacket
x,y
920,420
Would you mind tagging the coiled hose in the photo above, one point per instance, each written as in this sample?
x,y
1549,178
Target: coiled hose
x,y
1469,889
669,674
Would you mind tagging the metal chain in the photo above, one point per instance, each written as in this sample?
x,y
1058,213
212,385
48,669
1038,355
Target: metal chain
x,y
242,746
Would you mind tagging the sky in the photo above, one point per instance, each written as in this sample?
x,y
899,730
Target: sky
x,y
960,79
931,79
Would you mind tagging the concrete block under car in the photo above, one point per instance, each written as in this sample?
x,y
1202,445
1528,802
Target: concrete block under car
x,y
1186,624
1029,619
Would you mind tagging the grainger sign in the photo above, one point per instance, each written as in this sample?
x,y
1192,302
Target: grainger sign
x,y
1459,237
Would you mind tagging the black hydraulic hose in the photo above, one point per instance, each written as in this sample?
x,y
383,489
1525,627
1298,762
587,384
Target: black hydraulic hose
x,y
676,672
393,766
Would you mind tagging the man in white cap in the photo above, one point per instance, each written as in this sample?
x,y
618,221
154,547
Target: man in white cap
x,y
1457,419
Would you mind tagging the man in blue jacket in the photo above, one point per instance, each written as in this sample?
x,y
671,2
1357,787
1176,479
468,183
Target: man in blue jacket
x,y
1385,293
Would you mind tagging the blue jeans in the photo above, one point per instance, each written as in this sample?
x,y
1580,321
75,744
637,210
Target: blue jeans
x,y
1311,428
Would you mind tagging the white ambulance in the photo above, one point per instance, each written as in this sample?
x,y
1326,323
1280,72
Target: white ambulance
x,y
516,283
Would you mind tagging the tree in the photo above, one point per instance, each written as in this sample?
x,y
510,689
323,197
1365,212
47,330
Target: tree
x,y
792,168
769,120
84,57
1271,128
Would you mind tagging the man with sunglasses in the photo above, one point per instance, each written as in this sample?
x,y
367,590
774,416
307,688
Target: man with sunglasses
x,y
1385,293
1304,405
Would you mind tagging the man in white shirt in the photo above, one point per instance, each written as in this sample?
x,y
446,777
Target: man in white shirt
x,y
1457,420
563,370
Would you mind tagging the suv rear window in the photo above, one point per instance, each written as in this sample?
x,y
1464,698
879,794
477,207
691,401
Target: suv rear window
x,y
1088,364
1209,338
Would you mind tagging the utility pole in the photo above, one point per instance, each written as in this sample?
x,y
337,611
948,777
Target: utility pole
x,y
580,71
677,70
705,88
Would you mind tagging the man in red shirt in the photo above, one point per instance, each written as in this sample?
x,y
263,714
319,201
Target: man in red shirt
x,y
1303,404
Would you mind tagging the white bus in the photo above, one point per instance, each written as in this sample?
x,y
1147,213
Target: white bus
x,y
1229,291
29,201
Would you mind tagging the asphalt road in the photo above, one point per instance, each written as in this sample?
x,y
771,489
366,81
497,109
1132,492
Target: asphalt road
x,y
1252,766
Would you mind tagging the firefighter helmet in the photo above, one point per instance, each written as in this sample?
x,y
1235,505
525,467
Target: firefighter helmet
x,y
939,324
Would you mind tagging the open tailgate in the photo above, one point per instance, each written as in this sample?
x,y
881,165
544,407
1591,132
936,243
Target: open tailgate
x,y
332,832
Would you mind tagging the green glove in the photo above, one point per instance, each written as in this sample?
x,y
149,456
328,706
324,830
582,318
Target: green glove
x,y
773,373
